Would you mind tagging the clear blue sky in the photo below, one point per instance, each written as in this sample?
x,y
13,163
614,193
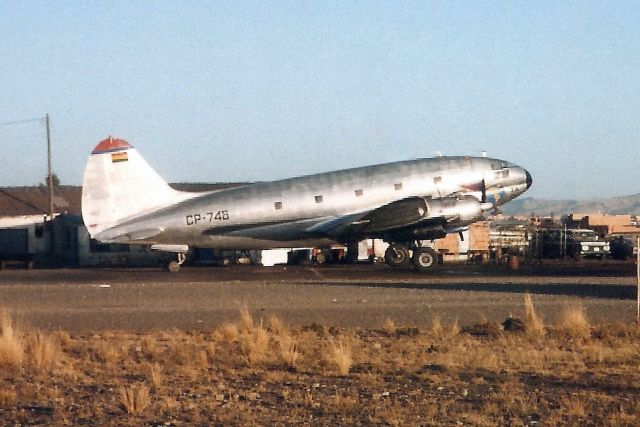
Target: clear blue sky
x,y
227,91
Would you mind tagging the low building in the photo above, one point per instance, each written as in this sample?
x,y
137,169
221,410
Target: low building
x,y
603,224
27,234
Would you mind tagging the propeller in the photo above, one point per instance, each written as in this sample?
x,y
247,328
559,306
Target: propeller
x,y
494,205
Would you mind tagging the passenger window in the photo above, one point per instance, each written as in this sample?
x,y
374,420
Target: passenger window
x,y
437,179
318,199
278,205
359,193
398,186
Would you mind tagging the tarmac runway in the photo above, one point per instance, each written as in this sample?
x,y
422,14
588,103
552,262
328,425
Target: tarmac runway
x,y
85,300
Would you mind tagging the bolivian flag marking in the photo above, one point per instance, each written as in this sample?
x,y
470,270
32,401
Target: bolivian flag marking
x,y
119,157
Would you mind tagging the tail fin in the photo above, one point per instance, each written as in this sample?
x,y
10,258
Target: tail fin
x,y
119,184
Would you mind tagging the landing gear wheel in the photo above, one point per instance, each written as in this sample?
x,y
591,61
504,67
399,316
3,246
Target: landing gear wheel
x,y
397,255
425,259
174,266
321,258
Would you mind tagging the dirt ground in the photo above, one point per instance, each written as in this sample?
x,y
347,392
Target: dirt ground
x,y
342,296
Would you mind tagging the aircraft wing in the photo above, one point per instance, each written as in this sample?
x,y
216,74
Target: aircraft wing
x,y
401,213
412,218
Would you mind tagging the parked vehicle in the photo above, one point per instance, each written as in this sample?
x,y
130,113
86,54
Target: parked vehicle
x,y
572,243
588,244
621,248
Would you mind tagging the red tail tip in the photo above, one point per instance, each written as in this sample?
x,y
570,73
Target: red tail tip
x,y
111,144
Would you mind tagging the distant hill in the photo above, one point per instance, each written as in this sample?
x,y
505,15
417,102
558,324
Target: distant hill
x,y
543,207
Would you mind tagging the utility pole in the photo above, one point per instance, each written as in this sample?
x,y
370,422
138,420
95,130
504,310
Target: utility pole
x,y
49,176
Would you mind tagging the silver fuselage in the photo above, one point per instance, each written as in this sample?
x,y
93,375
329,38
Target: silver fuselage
x,y
279,214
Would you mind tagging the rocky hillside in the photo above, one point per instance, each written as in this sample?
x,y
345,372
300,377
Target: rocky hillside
x,y
542,207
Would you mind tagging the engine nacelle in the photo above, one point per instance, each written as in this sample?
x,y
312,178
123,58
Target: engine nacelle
x,y
457,210
419,218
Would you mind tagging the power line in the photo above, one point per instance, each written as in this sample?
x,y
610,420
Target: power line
x,y
16,122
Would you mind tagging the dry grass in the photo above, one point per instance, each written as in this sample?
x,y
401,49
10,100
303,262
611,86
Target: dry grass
x,y
276,326
533,324
573,407
64,338
254,344
227,332
135,398
389,326
11,342
340,356
287,345
45,352
573,320
7,397
433,377
253,339
288,349
149,345
455,328
154,373
436,327
106,351
246,321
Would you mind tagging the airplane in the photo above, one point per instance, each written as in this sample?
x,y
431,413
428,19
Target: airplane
x,y
404,203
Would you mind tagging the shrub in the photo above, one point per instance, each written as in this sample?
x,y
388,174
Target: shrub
x,y
134,399
532,322
573,320
11,343
45,352
340,355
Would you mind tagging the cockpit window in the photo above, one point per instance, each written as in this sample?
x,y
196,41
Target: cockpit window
x,y
500,165
504,173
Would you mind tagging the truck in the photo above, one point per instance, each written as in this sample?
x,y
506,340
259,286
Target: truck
x,y
573,243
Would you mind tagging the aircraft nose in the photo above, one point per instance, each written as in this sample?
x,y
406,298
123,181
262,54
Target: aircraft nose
x,y
529,180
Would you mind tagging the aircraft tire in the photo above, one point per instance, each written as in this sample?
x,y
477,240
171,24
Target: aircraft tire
x,y
321,258
425,259
397,255
173,266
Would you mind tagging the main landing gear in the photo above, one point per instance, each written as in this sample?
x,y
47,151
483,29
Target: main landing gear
x,y
401,255
174,266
